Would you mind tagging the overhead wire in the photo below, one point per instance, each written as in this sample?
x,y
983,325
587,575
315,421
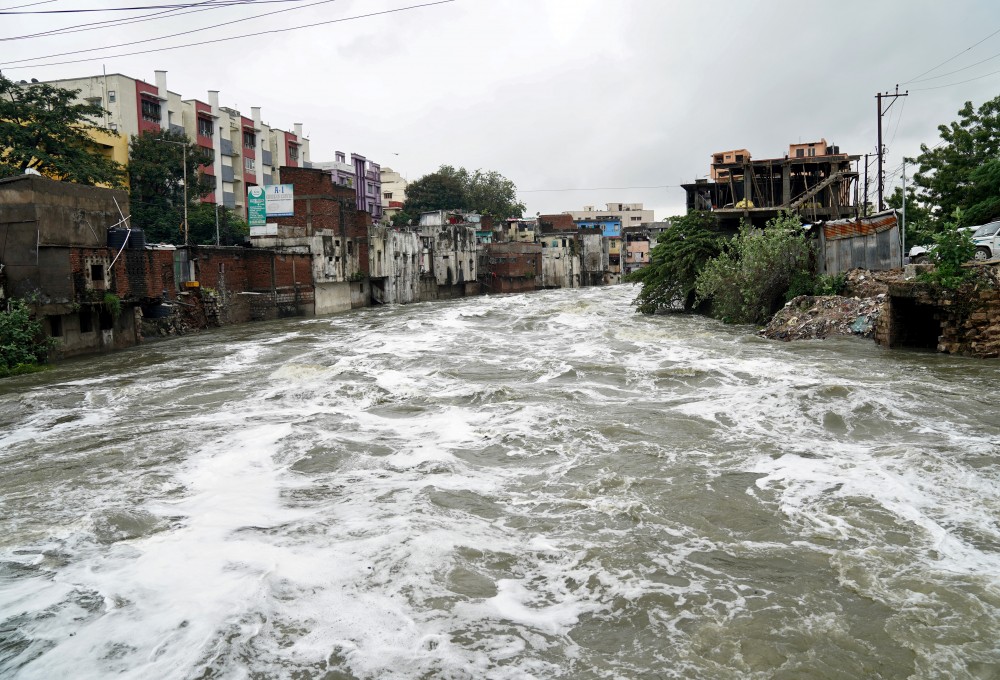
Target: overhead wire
x,y
204,6
132,9
961,82
952,58
658,186
30,4
172,35
236,37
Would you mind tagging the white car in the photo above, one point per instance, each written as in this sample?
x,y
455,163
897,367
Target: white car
x,y
987,241
985,237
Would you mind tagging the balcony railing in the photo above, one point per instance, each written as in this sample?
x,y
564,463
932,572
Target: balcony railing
x,y
177,129
227,173
228,199
265,157
227,147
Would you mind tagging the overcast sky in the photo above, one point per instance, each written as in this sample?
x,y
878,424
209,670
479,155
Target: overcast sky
x,y
596,96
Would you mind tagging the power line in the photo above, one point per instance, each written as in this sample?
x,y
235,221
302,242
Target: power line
x,y
136,9
961,82
173,35
236,37
30,4
111,23
951,73
952,58
659,186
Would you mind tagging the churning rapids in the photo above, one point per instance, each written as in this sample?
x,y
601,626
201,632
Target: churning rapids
x,y
527,486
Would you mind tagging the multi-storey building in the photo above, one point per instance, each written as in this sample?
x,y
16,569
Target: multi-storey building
x,y
614,218
244,150
393,191
363,175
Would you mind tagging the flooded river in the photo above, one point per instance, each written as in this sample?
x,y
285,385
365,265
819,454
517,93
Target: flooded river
x,y
533,486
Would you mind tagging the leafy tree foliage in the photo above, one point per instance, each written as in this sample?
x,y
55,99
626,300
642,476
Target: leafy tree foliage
x,y
675,262
748,282
41,128
484,191
953,248
963,170
156,182
920,226
22,342
201,225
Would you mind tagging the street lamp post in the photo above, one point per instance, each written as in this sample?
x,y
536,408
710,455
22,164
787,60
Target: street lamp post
x,y
184,147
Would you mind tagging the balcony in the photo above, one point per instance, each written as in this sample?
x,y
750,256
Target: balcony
x,y
265,157
227,147
177,129
228,199
227,173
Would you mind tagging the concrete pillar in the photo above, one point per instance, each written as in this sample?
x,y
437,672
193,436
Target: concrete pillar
x,y
213,101
786,184
161,90
255,114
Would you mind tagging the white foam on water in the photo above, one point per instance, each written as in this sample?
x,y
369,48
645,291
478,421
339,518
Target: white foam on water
x,y
409,492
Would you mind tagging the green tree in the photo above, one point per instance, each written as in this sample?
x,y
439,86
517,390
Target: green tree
x,y
233,229
920,226
675,262
156,184
952,173
749,280
22,342
490,193
43,128
484,191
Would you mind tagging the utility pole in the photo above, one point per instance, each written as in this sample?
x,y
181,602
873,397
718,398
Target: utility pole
x,y
864,207
878,98
903,230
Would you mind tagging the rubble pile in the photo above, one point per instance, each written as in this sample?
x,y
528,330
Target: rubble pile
x,y
810,317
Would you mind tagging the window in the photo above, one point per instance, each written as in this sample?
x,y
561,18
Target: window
x,y
111,95
812,151
387,194
114,127
150,110
94,101
96,272
350,247
293,152
799,153
86,321
55,326
250,164
739,158
249,139
205,127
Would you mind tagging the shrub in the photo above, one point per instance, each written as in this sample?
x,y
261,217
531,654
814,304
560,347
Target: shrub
x,y
668,281
750,278
22,342
953,248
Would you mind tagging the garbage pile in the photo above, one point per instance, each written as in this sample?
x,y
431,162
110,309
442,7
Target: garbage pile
x,y
810,317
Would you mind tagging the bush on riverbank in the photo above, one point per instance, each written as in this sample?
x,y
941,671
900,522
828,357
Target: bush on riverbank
x,y
23,345
758,271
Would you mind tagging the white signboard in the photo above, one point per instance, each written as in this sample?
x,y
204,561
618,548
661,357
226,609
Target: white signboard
x,y
280,200
269,229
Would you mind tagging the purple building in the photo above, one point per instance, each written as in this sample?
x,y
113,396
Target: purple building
x,y
361,174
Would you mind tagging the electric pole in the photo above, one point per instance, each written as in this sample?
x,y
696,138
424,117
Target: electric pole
x,y
878,98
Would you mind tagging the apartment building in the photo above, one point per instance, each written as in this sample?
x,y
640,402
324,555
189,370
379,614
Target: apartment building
x,y
393,191
245,150
613,219
363,175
